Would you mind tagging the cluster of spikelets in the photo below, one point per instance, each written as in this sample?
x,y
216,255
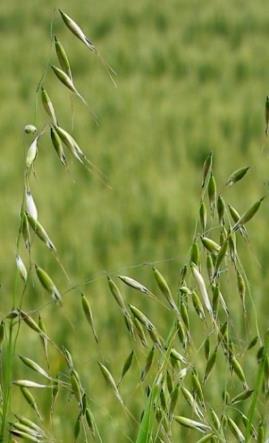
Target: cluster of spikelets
x,y
30,227
189,370
170,368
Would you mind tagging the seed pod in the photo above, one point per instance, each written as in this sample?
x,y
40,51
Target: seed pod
x,y
14,313
70,143
215,419
24,229
198,305
207,168
128,322
238,369
62,57
249,214
232,246
48,106
210,266
221,209
220,257
175,355
203,216
77,31
140,332
192,402
67,81
21,268
110,380
156,339
34,366
184,314
30,384
142,318
195,254
148,364
169,382
40,231
223,235
210,245
127,365
63,77
30,129
20,427
182,335
57,144
182,374
202,287
27,422
88,314
235,216
222,302
84,403
30,322
210,363
134,284
76,387
77,427
90,421
25,435
163,400
241,289
236,176
183,273
244,395
32,153
212,193
173,401
116,293
164,288
68,358
235,430
48,284
185,291
192,424
25,432
197,388
76,151
30,205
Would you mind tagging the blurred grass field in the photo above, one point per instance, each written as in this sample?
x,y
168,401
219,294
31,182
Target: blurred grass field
x,y
192,78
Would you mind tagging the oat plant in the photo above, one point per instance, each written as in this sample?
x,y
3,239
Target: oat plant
x,y
204,377
31,229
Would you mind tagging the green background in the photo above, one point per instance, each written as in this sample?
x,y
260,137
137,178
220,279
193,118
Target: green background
x,y
192,78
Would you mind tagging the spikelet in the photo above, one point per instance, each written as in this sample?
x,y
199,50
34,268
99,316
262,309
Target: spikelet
x,y
21,268
77,31
32,153
48,284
